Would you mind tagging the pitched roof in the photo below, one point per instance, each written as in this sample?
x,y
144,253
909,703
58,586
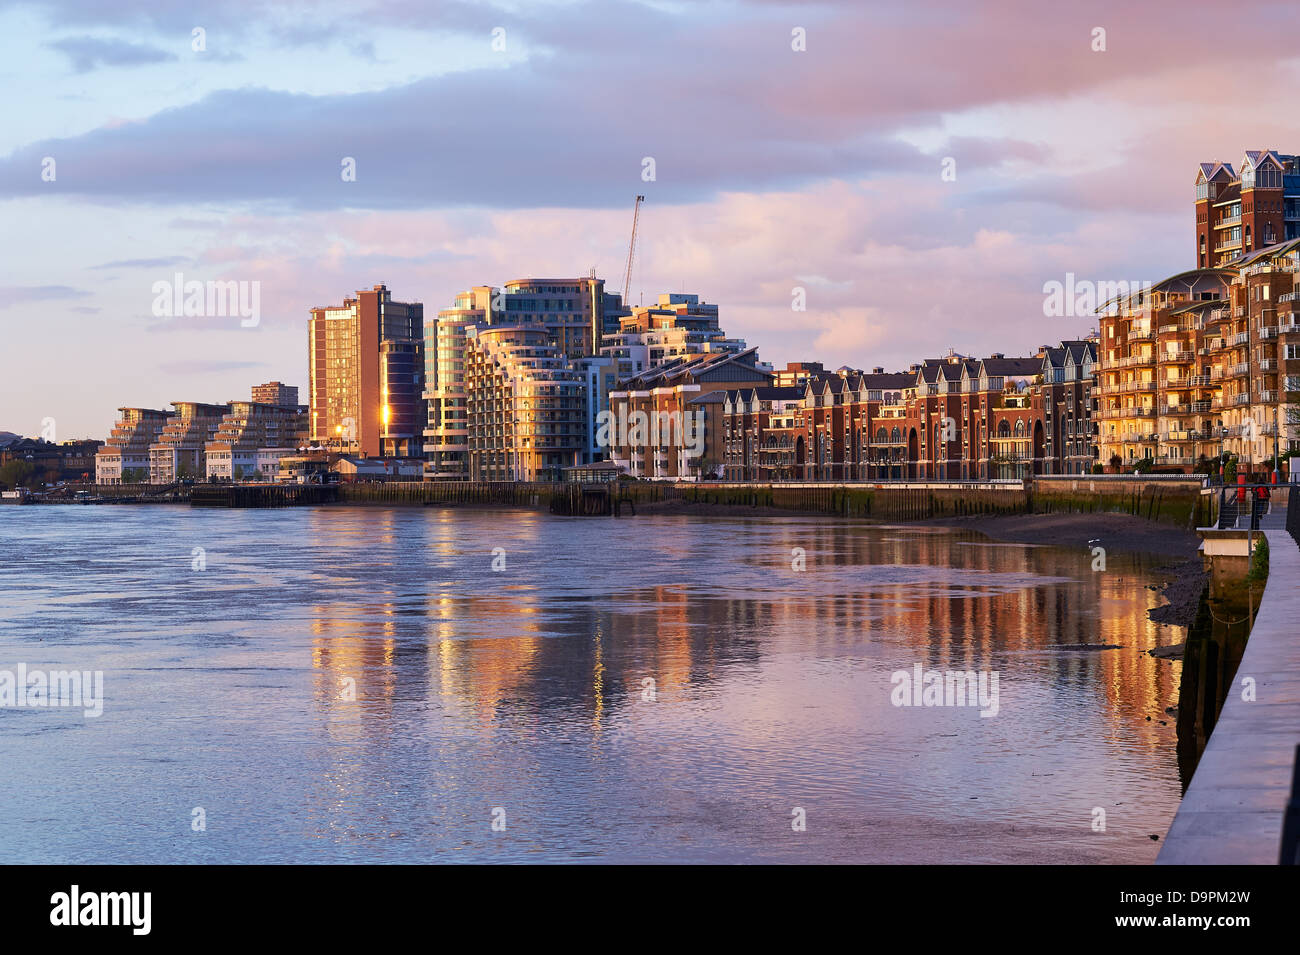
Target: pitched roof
x,y
692,366
887,380
1011,367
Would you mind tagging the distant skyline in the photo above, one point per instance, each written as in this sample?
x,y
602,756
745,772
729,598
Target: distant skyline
x,y
774,168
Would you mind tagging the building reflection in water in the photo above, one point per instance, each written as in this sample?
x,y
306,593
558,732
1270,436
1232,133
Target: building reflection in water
x,y
555,648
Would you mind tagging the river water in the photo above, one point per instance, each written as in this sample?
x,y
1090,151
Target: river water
x,y
359,684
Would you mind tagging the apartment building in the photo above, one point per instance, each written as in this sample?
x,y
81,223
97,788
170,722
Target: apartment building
x,y
1207,364
1161,379
946,419
1067,401
524,405
571,310
446,434
124,458
180,451
252,438
276,393
677,326
575,314
761,439
796,374
1259,334
600,375
1241,210
657,432
366,375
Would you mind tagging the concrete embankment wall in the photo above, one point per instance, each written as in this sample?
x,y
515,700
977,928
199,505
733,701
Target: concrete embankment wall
x,y
911,502
1233,810
1169,501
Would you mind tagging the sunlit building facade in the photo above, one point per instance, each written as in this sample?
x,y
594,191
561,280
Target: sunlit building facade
x,y
253,437
124,458
524,405
179,453
366,375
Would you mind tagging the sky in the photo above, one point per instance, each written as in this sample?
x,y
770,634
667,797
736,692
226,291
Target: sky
x,y
919,169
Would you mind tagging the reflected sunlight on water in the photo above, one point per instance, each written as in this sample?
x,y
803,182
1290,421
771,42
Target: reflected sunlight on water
x,y
357,684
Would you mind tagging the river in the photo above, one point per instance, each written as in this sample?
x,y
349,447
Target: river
x,y
359,684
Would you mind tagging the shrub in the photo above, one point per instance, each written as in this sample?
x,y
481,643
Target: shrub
x,y
1259,561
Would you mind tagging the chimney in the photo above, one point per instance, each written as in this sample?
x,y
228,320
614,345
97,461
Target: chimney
x,y
997,354
878,371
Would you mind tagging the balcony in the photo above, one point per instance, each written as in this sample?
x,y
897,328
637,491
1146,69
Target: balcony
x,y
1268,364
1178,357
1267,332
1241,399
1241,338
1268,397
1238,370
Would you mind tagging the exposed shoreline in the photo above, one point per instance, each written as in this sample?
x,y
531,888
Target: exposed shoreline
x,y
1114,532
1183,577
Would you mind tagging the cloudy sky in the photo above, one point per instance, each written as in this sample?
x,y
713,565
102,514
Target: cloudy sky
x,y
496,141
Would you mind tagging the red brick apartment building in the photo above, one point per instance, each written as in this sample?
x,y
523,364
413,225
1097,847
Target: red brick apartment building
x,y
950,418
1203,364
1241,210
667,398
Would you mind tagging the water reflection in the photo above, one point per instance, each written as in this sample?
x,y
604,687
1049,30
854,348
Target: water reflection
x,y
419,689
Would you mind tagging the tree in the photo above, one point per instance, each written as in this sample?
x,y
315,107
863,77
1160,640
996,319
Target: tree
x,y
15,473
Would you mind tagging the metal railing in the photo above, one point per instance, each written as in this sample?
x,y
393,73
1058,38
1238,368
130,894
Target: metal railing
x,y
1243,500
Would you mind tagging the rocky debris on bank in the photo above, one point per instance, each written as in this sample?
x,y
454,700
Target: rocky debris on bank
x,y
1183,593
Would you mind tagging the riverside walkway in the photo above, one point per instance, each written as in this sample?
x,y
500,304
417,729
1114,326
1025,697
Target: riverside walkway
x,y
1233,810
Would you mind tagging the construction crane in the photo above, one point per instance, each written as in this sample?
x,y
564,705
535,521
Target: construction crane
x,y
631,250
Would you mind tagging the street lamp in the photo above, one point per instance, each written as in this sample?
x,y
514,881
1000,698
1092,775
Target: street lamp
x,y
1277,451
